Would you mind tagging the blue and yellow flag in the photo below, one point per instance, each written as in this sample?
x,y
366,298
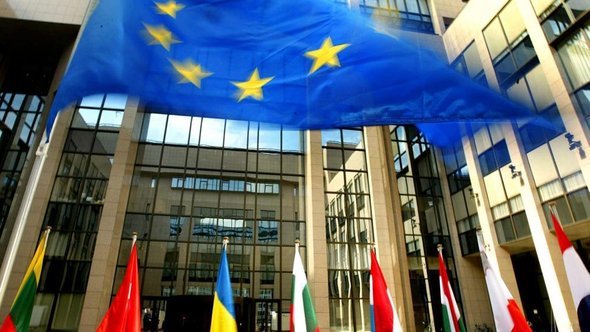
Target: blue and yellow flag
x,y
307,64
223,317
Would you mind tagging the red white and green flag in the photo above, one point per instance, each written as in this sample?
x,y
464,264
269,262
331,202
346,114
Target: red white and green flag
x,y
19,318
303,317
452,320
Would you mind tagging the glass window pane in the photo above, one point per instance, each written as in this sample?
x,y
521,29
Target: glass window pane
x,y
177,129
575,57
115,101
92,101
236,134
212,132
472,60
110,120
494,36
153,128
85,118
541,5
580,203
511,21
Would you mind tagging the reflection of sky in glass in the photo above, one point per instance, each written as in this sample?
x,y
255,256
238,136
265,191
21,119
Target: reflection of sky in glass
x,y
89,116
330,135
238,134
212,132
178,130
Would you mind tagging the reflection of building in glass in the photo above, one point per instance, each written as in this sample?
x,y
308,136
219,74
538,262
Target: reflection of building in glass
x,y
183,183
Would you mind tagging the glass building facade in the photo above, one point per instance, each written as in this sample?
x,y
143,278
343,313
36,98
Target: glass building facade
x,y
114,167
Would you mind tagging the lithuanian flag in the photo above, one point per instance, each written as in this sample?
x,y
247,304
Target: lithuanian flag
x,y
20,313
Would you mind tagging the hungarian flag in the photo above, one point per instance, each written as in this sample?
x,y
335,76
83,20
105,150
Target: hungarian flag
x,y
125,310
577,275
507,315
19,318
383,315
303,317
452,320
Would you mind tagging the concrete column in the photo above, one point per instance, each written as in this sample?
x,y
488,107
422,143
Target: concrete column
x,y
546,246
499,258
387,222
108,240
469,269
315,215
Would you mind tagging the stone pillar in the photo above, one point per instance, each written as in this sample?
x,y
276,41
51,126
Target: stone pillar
x,y
387,222
108,240
499,258
315,216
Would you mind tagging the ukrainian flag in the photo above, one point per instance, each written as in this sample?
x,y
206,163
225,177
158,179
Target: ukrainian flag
x,y
223,318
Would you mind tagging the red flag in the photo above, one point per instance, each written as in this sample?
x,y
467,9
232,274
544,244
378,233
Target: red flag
x,y
383,315
124,313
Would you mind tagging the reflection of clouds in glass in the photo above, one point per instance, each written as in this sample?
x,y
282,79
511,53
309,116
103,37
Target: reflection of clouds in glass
x,y
154,125
331,135
89,116
352,137
212,132
292,141
236,135
115,101
269,137
178,129
92,101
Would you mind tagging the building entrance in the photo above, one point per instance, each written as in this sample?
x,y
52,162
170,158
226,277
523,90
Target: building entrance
x,y
193,313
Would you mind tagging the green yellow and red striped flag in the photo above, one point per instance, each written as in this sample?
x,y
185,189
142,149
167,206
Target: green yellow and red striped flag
x,y
19,318
302,318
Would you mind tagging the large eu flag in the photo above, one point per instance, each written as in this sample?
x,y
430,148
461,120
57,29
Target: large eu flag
x,y
307,64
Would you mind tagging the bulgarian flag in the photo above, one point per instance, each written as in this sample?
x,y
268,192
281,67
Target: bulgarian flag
x,y
124,313
383,315
303,317
577,275
452,320
19,318
507,315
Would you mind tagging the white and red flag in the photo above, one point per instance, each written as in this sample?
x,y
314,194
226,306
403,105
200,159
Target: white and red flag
x,y
383,315
507,315
577,276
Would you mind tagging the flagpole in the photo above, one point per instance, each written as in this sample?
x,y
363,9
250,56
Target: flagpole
x,y
134,236
225,242
297,244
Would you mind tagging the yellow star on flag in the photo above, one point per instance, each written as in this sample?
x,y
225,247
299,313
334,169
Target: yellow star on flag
x,y
253,86
169,8
159,35
327,54
190,72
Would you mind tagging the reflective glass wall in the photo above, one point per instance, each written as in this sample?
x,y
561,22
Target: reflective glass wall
x,y
197,180
349,228
19,120
74,211
425,224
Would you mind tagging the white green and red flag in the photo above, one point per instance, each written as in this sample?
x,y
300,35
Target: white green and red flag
x,y
383,315
577,275
507,314
452,320
19,318
303,317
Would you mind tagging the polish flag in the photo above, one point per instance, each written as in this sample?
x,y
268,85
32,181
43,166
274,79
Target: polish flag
x,y
577,275
383,315
507,315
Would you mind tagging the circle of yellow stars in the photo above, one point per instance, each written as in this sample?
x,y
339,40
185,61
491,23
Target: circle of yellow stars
x,y
190,72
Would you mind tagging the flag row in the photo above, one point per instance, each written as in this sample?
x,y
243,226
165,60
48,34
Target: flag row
x,y
125,310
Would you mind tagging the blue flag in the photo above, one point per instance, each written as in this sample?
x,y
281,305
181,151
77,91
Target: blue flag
x,y
307,64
